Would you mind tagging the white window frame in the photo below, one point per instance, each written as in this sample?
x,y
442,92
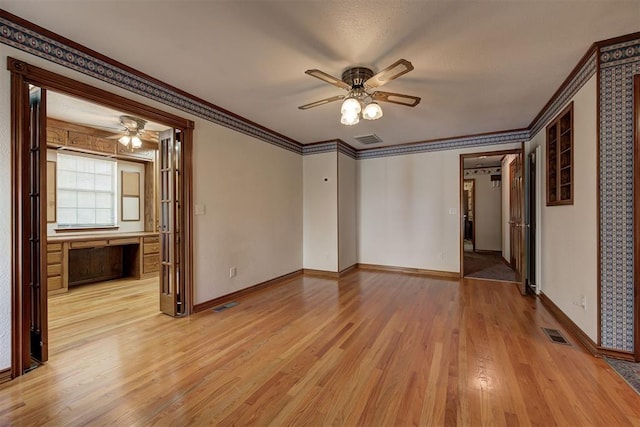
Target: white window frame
x,y
60,188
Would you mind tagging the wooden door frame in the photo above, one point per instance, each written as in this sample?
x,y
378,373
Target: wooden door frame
x,y
461,189
23,73
636,220
473,211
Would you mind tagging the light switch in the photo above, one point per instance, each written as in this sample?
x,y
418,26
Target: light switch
x,y
453,211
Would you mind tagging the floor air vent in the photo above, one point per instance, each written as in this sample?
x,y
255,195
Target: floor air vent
x,y
223,307
368,139
555,336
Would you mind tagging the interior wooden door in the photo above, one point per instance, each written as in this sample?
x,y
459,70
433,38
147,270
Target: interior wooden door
x,y
516,219
172,283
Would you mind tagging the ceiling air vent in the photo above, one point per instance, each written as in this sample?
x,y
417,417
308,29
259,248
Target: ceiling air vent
x,y
368,139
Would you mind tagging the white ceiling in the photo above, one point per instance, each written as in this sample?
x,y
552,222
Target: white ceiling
x,y
480,66
78,111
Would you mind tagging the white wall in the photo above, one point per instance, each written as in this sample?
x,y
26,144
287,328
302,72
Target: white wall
x,y
252,198
569,233
488,214
347,222
252,192
320,235
404,209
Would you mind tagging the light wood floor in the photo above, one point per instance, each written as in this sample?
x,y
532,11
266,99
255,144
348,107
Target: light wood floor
x,y
373,348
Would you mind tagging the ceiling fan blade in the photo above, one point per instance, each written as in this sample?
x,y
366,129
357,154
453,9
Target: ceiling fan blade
x,y
321,102
393,71
328,79
396,98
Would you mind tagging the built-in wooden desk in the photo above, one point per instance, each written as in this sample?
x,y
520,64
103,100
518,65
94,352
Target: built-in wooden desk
x,y
75,260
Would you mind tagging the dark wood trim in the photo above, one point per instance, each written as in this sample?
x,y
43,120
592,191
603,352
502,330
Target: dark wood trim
x,y
569,325
5,375
429,141
320,273
636,218
40,30
226,298
187,232
618,39
58,83
556,121
460,205
615,354
450,275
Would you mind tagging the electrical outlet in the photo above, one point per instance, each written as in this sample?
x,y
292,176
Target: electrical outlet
x,y
232,272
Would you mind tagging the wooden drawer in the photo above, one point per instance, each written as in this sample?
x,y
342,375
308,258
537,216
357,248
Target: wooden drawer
x,y
151,239
54,283
128,241
56,136
151,248
90,142
89,244
54,270
151,264
54,258
54,247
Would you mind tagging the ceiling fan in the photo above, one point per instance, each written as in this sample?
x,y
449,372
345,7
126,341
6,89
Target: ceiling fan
x,y
132,132
360,83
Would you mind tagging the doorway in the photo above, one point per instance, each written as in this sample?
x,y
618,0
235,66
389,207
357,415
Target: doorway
x,y
486,179
30,267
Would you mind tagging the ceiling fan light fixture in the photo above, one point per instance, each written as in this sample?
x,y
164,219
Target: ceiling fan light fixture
x,y
350,119
124,140
136,142
372,111
351,106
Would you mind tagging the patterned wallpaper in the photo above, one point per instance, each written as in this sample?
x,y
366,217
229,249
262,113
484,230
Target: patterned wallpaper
x,y
618,64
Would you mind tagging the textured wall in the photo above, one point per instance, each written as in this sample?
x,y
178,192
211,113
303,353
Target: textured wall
x,y
618,64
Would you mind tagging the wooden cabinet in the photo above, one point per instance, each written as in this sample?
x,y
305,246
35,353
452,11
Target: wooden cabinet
x,y
84,141
55,282
151,251
56,136
76,260
560,159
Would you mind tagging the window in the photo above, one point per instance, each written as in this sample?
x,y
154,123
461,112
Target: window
x,y
560,159
86,191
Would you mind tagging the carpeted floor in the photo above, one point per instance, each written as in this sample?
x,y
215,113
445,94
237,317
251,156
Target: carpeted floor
x,y
629,371
487,265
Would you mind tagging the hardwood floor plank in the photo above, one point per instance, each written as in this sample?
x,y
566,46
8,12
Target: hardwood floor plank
x,y
372,348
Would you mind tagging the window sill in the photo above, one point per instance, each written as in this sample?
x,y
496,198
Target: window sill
x,y
77,229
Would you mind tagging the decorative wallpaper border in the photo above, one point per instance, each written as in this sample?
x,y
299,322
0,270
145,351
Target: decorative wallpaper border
x,y
25,39
447,144
319,148
581,77
618,64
